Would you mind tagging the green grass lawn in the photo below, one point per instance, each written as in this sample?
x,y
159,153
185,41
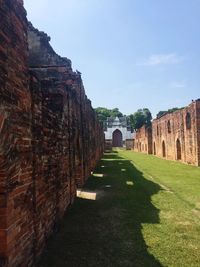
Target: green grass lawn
x,y
146,213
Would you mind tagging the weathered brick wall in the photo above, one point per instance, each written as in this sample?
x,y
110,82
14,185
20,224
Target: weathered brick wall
x,y
174,139
50,139
143,140
70,141
129,144
58,79
54,186
15,138
108,145
174,136
198,130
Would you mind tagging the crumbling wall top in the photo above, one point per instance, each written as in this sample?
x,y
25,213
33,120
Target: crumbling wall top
x,y
40,51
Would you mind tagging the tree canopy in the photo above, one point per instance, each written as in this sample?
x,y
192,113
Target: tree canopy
x,y
140,117
136,120
104,113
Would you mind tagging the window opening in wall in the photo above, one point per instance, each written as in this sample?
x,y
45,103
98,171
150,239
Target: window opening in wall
x,y
157,130
163,149
178,149
169,126
188,121
154,148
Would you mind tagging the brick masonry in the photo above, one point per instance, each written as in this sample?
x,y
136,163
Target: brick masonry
x,y
143,140
175,136
50,138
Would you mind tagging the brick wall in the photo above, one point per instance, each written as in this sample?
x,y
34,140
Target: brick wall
x,y
108,145
176,135
143,140
15,138
198,130
50,138
129,144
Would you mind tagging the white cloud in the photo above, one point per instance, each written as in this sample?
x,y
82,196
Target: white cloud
x,y
180,84
161,59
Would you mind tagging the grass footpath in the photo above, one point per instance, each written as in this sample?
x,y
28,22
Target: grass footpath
x,y
146,213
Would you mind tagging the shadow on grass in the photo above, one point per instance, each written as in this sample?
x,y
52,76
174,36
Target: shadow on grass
x,y
107,232
112,156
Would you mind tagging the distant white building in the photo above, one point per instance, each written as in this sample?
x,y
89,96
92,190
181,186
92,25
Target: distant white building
x,y
118,132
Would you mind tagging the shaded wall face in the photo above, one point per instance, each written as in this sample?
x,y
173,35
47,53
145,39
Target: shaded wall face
x,y
41,53
108,145
67,143
129,144
54,188
70,140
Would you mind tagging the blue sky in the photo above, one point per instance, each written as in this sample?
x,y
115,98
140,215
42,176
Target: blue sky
x,y
132,53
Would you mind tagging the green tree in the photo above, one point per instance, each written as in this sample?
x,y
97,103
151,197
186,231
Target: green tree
x,y
115,113
139,118
104,113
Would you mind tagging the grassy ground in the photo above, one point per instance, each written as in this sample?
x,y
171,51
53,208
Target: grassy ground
x,y
147,213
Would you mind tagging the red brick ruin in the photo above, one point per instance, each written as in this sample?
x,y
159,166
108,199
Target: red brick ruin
x,y
143,140
50,138
175,136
